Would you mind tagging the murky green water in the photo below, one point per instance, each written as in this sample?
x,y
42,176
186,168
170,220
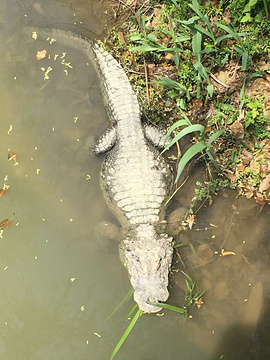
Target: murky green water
x,y
58,285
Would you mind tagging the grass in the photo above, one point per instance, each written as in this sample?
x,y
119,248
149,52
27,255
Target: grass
x,y
126,333
189,45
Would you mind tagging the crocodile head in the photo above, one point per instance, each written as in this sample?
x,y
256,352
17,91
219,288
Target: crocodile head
x,y
148,262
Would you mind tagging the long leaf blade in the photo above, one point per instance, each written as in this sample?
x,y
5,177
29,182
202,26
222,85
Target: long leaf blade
x,y
182,311
126,333
214,137
189,129
188,155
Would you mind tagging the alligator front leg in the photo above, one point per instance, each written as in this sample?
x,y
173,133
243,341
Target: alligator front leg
x,y
156,136
105,142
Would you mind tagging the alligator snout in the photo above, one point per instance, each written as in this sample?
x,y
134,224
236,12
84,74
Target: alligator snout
x,y
148,264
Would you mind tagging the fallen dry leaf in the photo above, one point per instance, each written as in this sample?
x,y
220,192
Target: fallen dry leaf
x,y
41,54
260,198
237,129
3,191
226,253
4,223
199,302
231,177
264,185
190,221
12,156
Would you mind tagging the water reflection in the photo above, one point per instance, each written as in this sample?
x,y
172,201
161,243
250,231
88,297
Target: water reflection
x,y
58,284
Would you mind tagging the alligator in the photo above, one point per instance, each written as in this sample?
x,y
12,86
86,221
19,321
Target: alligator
x,y
135,179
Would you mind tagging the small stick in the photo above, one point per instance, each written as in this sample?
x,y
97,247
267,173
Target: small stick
x,y
218,81
146,82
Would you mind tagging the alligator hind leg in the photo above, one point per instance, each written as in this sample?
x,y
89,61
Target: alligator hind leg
x,y
105,142
156,136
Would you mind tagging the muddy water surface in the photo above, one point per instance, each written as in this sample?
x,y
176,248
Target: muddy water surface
x,y
58,283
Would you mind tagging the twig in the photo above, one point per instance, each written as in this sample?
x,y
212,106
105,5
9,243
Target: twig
x,y
146,82
179,187
218,81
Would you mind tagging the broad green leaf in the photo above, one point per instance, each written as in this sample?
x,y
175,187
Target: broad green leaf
x,y
197,45
170,83
229,30
189,21
214,137
244,60
144,48
210,89
188,155
187,130
204,31
176,125
211,158
126,333
182,38
223,37
152,37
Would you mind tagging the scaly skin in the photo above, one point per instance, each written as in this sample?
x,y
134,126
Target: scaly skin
x,y
135,179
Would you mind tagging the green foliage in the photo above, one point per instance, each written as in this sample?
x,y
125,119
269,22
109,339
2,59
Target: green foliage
x,y
193,294
205,191
256,122
202,144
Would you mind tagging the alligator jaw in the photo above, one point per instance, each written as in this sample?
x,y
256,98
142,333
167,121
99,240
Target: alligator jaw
x,y
148,263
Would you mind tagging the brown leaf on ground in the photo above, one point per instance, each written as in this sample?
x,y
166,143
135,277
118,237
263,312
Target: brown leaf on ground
x,y
4,223
264,185
260,198
246,157
237,129
230,176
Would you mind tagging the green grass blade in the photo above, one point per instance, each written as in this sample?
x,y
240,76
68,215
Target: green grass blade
x,y
229,30
188,155
170,83
187,130
126,333
182,311
187,276
134,307
204,31
189,21
176,125
126,298
197,45
214,137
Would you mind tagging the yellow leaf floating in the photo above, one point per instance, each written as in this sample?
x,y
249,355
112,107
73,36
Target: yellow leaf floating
x,y
226,253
